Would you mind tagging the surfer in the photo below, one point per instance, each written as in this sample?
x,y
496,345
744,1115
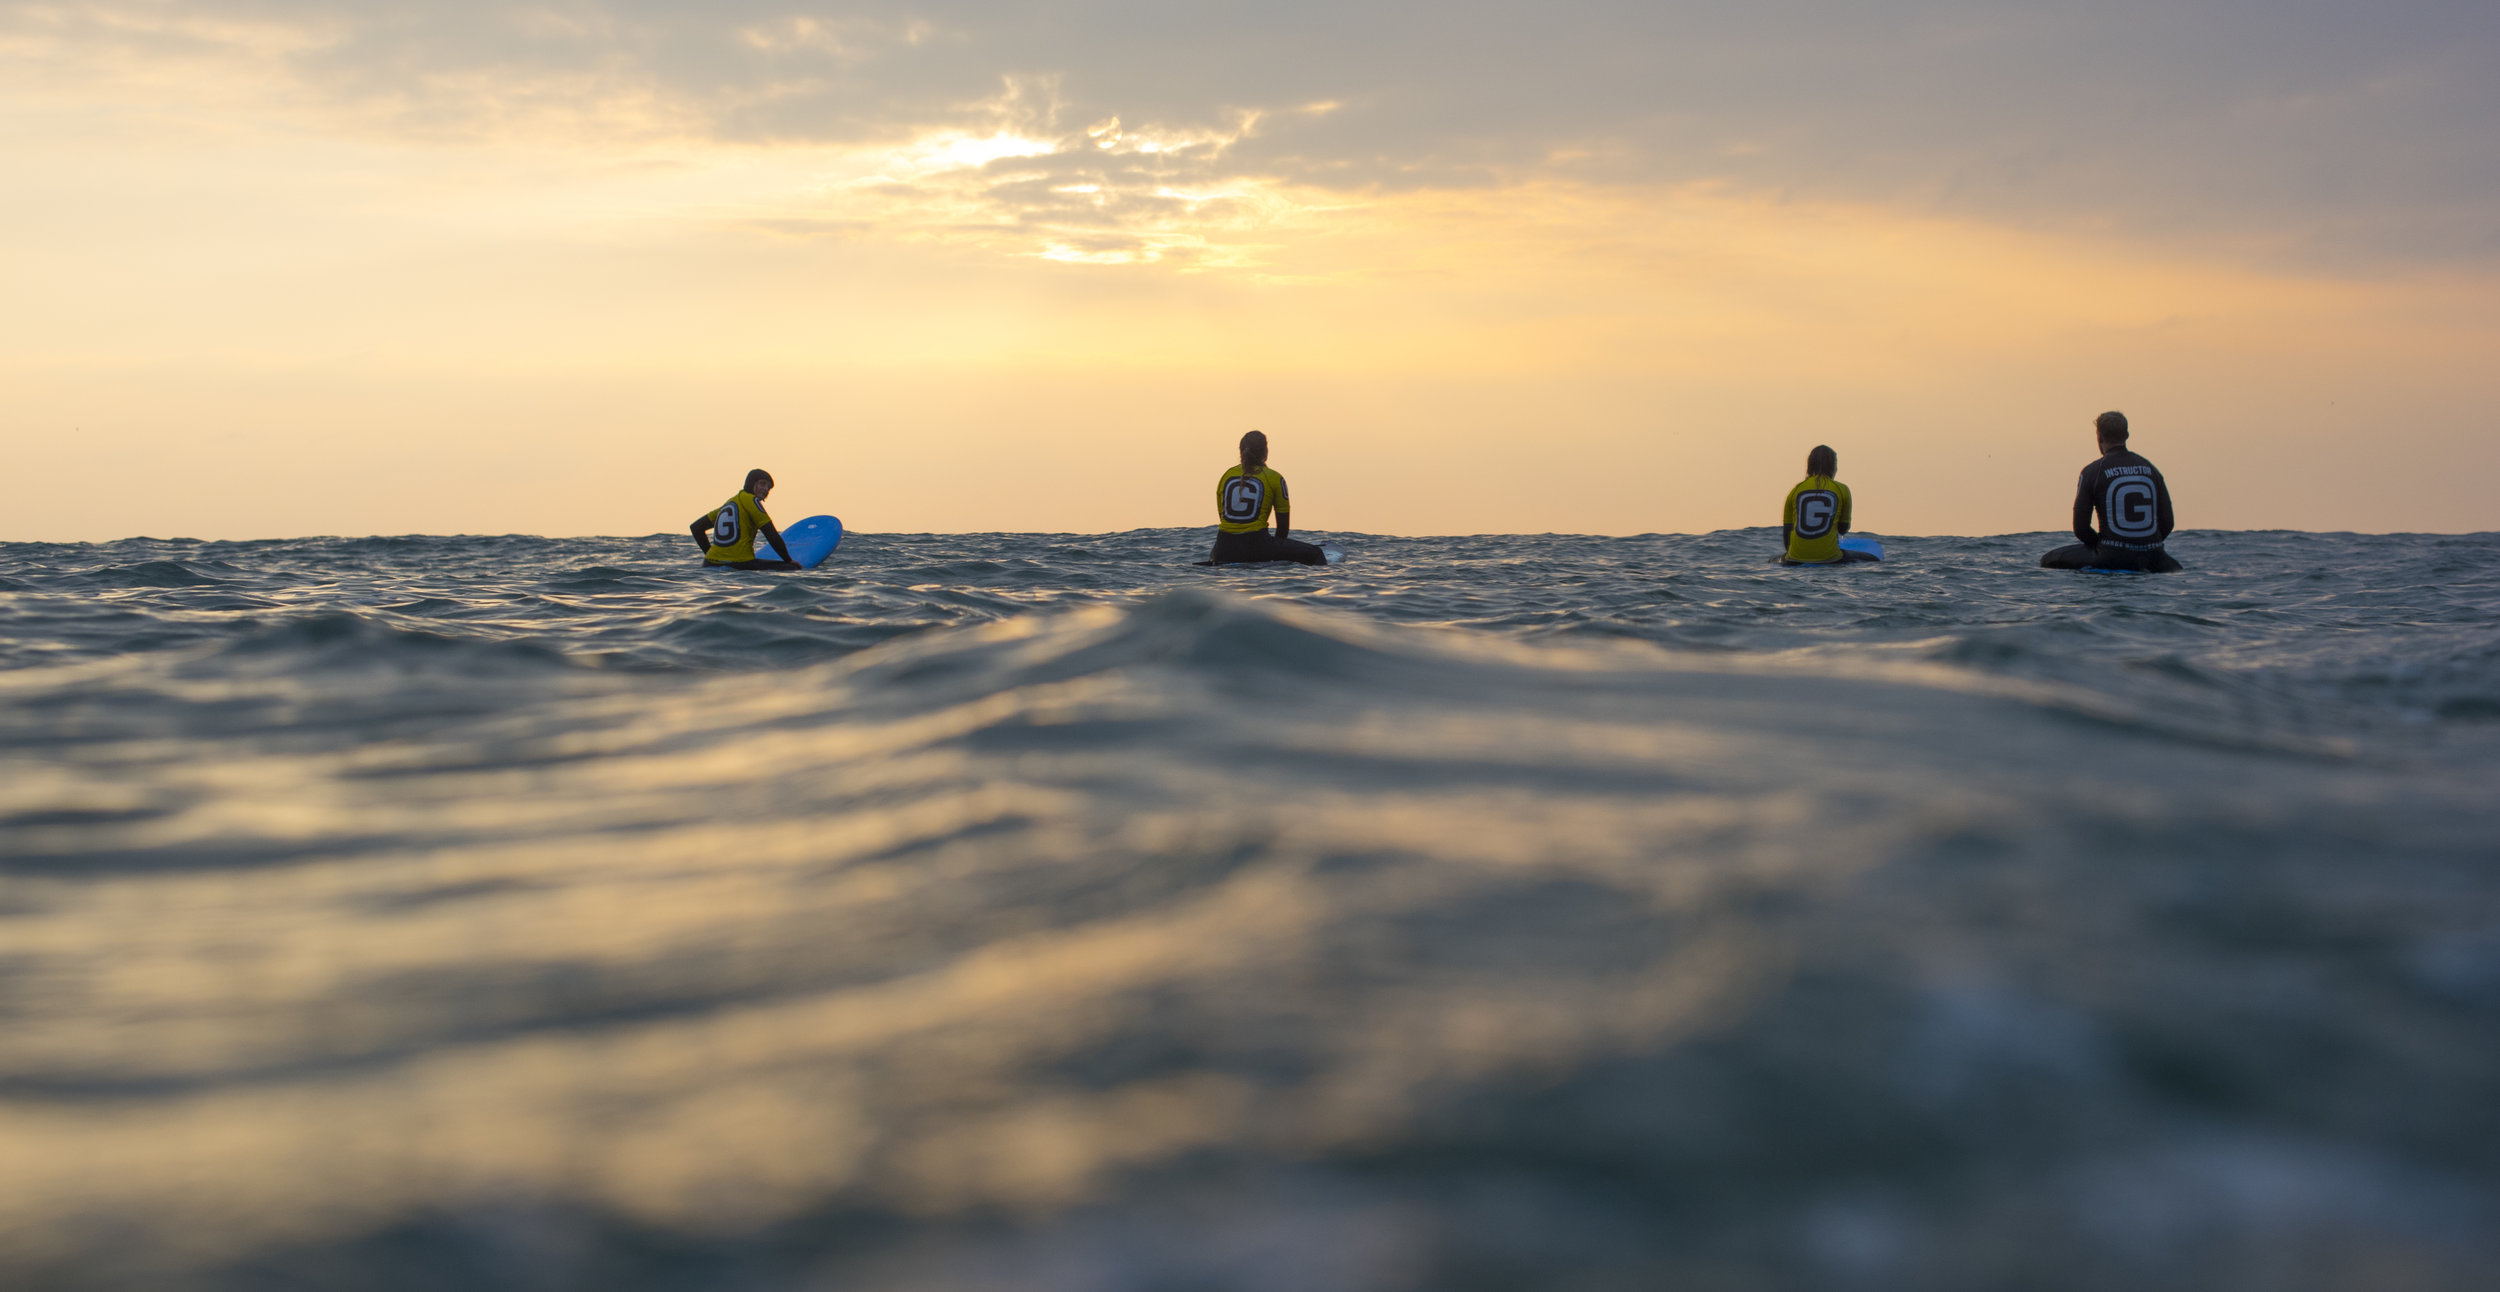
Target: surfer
x,y
727,536
1244,494
1817,514
2134,504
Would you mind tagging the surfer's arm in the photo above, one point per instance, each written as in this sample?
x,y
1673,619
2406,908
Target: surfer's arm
x,y
773,533
2161,492
1844,508
702,530
2084,533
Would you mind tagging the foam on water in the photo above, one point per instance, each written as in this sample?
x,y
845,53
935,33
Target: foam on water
x,y
1044,912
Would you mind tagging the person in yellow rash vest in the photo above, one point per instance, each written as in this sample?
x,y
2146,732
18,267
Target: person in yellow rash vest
x,y
727,536
1817,514
1244,495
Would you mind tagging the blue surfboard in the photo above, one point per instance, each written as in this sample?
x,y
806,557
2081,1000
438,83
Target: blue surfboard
x,y
1854,548
810,541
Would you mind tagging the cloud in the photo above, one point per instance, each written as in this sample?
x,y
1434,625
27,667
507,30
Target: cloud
x,y
1107,193
2338,132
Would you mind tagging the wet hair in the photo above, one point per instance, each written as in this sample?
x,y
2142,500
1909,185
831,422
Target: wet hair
x,y
1253,451
1822,461
2113,427
759,476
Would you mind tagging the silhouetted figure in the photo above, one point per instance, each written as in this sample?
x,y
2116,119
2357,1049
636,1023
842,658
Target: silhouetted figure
x,y
2134,507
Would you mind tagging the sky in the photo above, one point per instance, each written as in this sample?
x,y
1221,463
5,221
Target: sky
x,y
281,268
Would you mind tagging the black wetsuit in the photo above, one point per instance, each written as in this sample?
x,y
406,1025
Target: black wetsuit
x,y
2133,504
1260,545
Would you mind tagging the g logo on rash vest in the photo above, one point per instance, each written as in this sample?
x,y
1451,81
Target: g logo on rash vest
x,y
1816,509
2131,507
1244,498
725,526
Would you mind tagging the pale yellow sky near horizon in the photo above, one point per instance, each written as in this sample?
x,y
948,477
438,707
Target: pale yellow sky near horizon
x,y
236,309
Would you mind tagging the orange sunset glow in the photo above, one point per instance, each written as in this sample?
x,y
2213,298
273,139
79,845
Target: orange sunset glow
x,y
550,273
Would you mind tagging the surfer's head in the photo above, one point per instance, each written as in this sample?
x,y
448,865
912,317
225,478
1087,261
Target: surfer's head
x,y
759,482
1254,450
2112,428
1822,461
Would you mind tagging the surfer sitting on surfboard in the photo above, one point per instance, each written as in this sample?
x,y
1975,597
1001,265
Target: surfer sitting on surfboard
x,y
2134,504
727,536
1244,494
1817,514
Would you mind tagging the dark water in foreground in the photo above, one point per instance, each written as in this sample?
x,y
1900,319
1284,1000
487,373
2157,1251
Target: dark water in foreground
x,y
1011,911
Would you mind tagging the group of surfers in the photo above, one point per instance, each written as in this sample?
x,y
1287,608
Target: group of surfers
x,y
2122,515
2122,511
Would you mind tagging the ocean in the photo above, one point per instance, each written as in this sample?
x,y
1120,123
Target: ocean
x,y
1015,911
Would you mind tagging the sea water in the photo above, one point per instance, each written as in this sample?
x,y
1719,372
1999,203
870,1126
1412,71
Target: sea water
x,y
1044,912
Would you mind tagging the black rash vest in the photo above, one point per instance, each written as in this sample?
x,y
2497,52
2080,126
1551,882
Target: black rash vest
x,y
2133,501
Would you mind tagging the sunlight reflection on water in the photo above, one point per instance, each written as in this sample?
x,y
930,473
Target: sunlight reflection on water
x,y
1177,936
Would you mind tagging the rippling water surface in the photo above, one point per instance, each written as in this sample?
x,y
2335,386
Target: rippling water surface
x,y
1043,912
